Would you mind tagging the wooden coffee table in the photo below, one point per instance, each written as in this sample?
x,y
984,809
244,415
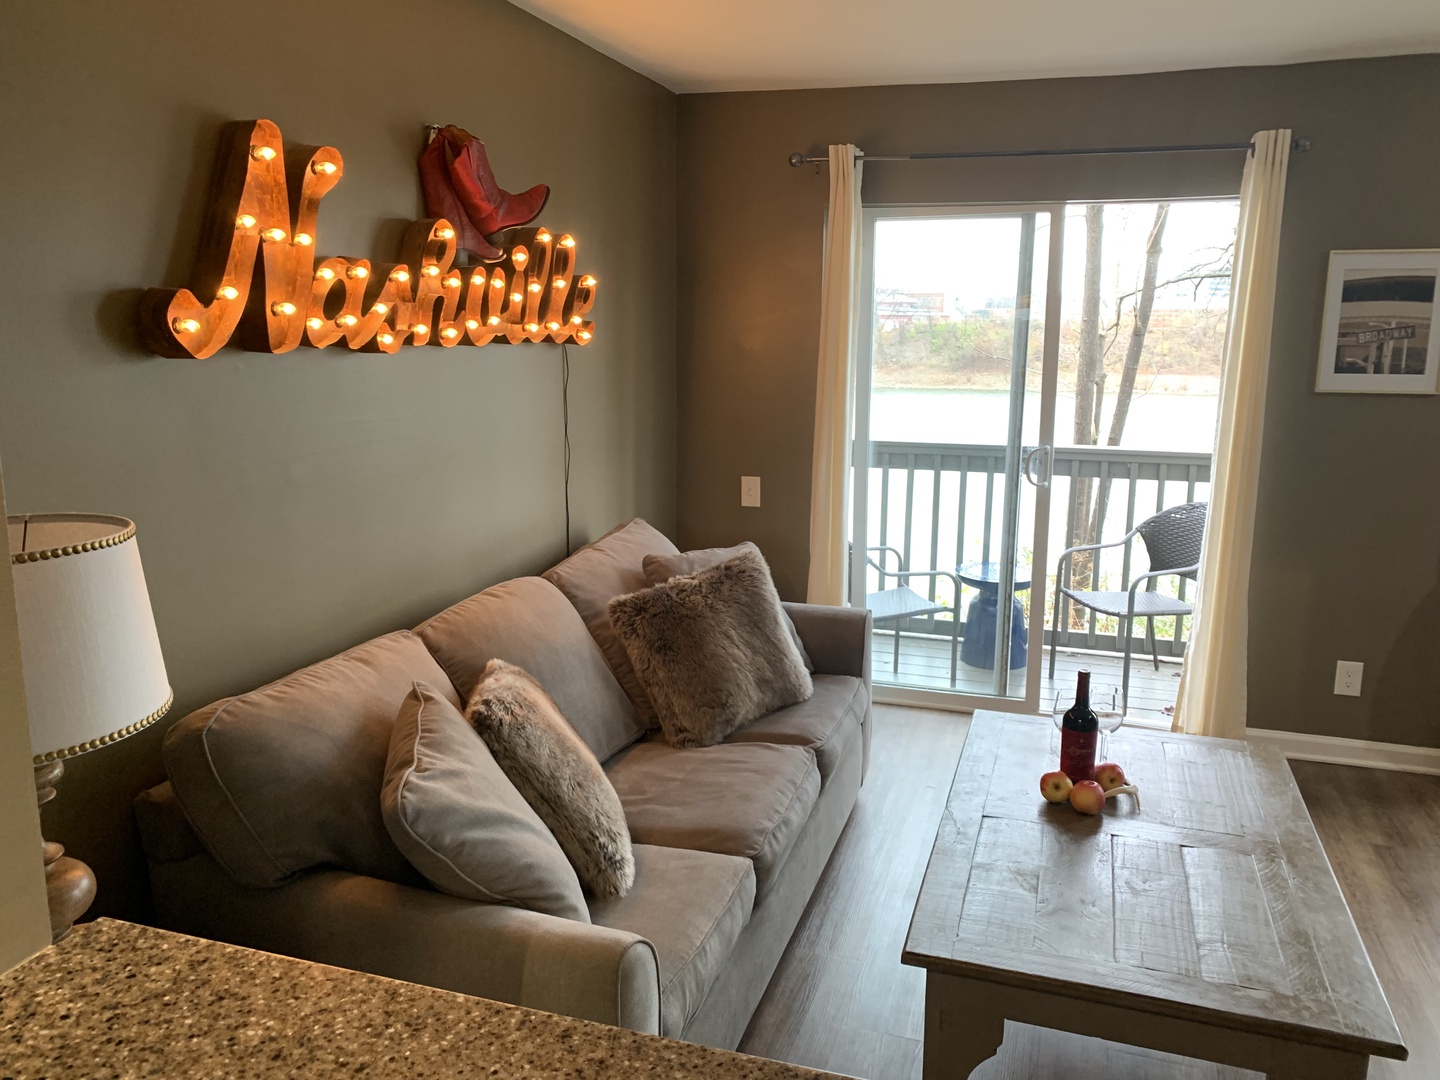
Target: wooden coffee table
x,y
1207,924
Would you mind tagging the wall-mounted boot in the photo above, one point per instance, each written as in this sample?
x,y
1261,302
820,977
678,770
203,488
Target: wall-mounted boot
x,y
442,202
490,207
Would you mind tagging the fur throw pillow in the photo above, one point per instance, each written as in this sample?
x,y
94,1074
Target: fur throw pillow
x,y
558,775
712,649
660,568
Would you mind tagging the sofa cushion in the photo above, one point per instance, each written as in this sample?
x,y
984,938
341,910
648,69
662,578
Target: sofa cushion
x,y
661,568
692,906
557,774
458,819
750,800
826,723
529,623
711,649
288,776
612,566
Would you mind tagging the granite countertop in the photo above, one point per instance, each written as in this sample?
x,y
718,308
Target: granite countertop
x,y
115,999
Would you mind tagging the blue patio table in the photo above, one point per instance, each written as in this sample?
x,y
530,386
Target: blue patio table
x,y
978,648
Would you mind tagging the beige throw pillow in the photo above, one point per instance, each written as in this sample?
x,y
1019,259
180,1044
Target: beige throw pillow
x,y
558,775
458,819
712,650
661,568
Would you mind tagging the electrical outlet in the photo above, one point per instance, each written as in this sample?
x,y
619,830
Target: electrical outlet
x,y
749,491
1347,677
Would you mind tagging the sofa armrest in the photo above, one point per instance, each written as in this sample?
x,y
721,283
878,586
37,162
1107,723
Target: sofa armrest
x,y
837,638
486,950
838,641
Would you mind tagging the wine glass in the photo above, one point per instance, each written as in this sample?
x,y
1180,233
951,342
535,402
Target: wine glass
x,y
1110,716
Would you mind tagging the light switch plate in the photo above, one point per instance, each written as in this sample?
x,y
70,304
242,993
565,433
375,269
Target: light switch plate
x,y
1347,677
749,491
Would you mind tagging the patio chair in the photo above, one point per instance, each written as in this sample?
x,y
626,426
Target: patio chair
x,y
1172,538
901,603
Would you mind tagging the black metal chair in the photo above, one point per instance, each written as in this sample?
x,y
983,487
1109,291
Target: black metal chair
x,y
901,603
1172,538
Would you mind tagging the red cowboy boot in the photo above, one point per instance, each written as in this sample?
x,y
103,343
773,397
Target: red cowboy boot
x,y
490,207
441,202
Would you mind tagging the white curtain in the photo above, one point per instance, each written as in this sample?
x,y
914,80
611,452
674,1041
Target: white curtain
x,y
1213,686
834,386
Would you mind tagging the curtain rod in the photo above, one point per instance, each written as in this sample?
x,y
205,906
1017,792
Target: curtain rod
x,y
1299,144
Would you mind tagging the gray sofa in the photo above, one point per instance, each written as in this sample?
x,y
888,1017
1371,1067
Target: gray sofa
x,y
268,832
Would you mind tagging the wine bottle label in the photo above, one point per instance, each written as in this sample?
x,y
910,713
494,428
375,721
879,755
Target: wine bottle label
x,y
1077,754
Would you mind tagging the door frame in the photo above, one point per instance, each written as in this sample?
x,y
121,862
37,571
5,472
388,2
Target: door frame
x,y
955,700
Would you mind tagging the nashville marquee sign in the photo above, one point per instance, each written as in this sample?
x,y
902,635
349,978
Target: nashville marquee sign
x,y
257,279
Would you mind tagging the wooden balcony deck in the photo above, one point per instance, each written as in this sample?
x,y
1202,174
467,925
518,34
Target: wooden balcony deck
x,y
925,664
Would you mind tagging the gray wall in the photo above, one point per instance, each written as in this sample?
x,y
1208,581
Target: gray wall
x,y
24,916
1348,534
289,506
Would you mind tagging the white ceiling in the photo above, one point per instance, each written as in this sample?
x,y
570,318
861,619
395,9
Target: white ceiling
x,y
706,45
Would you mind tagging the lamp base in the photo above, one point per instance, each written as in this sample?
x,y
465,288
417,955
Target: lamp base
x,y
69,883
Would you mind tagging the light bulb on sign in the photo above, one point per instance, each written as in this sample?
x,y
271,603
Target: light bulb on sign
x,y
282,307
314,323
472,324
543,236
584,335
516,297
534,286
497,282
587,282
185,326
552,326
445,234
385,339
477,279
245,221
323,168
452,282
347,320
419,329
274,234
532,327
359,273
560,283
494,320
431,270
519,257
262,153
576,320
325,273
450,333
380,309
304,239
399,275
229,292
567,241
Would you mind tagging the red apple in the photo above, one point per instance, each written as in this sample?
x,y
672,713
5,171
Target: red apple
x,y
1055,786
1110,776
1088,797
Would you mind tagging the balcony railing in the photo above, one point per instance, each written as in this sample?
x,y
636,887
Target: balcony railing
x,y
940,505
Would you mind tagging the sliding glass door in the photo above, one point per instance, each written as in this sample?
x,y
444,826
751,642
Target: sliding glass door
x,y
955,409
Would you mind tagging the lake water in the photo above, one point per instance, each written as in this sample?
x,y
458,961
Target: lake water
x,y
1180,422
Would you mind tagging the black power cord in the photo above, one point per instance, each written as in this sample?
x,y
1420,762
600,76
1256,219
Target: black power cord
x,y
565,411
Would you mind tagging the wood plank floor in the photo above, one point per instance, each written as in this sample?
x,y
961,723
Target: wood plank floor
x,y
842,1001
925,663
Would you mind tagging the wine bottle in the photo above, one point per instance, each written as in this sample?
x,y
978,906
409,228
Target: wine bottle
x,y
1079,732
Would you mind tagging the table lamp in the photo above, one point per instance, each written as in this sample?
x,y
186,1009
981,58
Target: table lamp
x,y
91,656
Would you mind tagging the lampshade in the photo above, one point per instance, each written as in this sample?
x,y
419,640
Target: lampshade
x,y
93,669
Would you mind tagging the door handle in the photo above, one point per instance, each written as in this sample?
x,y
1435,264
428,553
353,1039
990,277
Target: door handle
x,y
1037,466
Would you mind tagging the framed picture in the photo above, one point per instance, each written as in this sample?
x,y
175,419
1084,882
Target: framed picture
x,y
1378,336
